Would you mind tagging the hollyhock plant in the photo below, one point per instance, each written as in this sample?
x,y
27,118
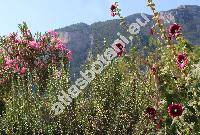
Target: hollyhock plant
x,y
181,60
117,97
175,110
174,30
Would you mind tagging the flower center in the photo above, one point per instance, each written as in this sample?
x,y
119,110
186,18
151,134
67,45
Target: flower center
x,y
181,61
175,110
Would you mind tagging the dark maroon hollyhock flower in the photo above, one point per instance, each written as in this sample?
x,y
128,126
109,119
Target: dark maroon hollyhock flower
x,y
174,30
175,110
121,48
154,69
150,112
181,60
113,14
113,9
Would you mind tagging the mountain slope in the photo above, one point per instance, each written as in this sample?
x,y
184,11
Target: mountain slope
x,y
82,38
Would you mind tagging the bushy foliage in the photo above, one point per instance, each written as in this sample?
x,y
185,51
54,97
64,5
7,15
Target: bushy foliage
x,y
32,69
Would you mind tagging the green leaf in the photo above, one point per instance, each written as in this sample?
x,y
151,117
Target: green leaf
x,y
1,60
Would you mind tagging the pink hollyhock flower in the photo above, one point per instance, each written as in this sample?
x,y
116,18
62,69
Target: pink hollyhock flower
x,y
69,55
33,45
9,63
7,67
16,69
181,60
53,33
23,70
59,41
174,30
1,51
150,112
175,110
53,40
60,47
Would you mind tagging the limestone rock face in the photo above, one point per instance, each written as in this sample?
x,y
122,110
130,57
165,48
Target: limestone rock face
x,y
82,38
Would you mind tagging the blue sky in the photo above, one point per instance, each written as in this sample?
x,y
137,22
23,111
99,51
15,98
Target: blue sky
x,y
42,15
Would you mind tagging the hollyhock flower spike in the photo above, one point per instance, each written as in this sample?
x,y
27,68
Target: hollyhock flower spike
x,y
174,30
181,60
114,9
175,110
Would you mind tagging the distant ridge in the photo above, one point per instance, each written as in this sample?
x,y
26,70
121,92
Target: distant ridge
x,y
82,38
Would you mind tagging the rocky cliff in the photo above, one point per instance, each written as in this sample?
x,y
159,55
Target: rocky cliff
x,y
82,38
